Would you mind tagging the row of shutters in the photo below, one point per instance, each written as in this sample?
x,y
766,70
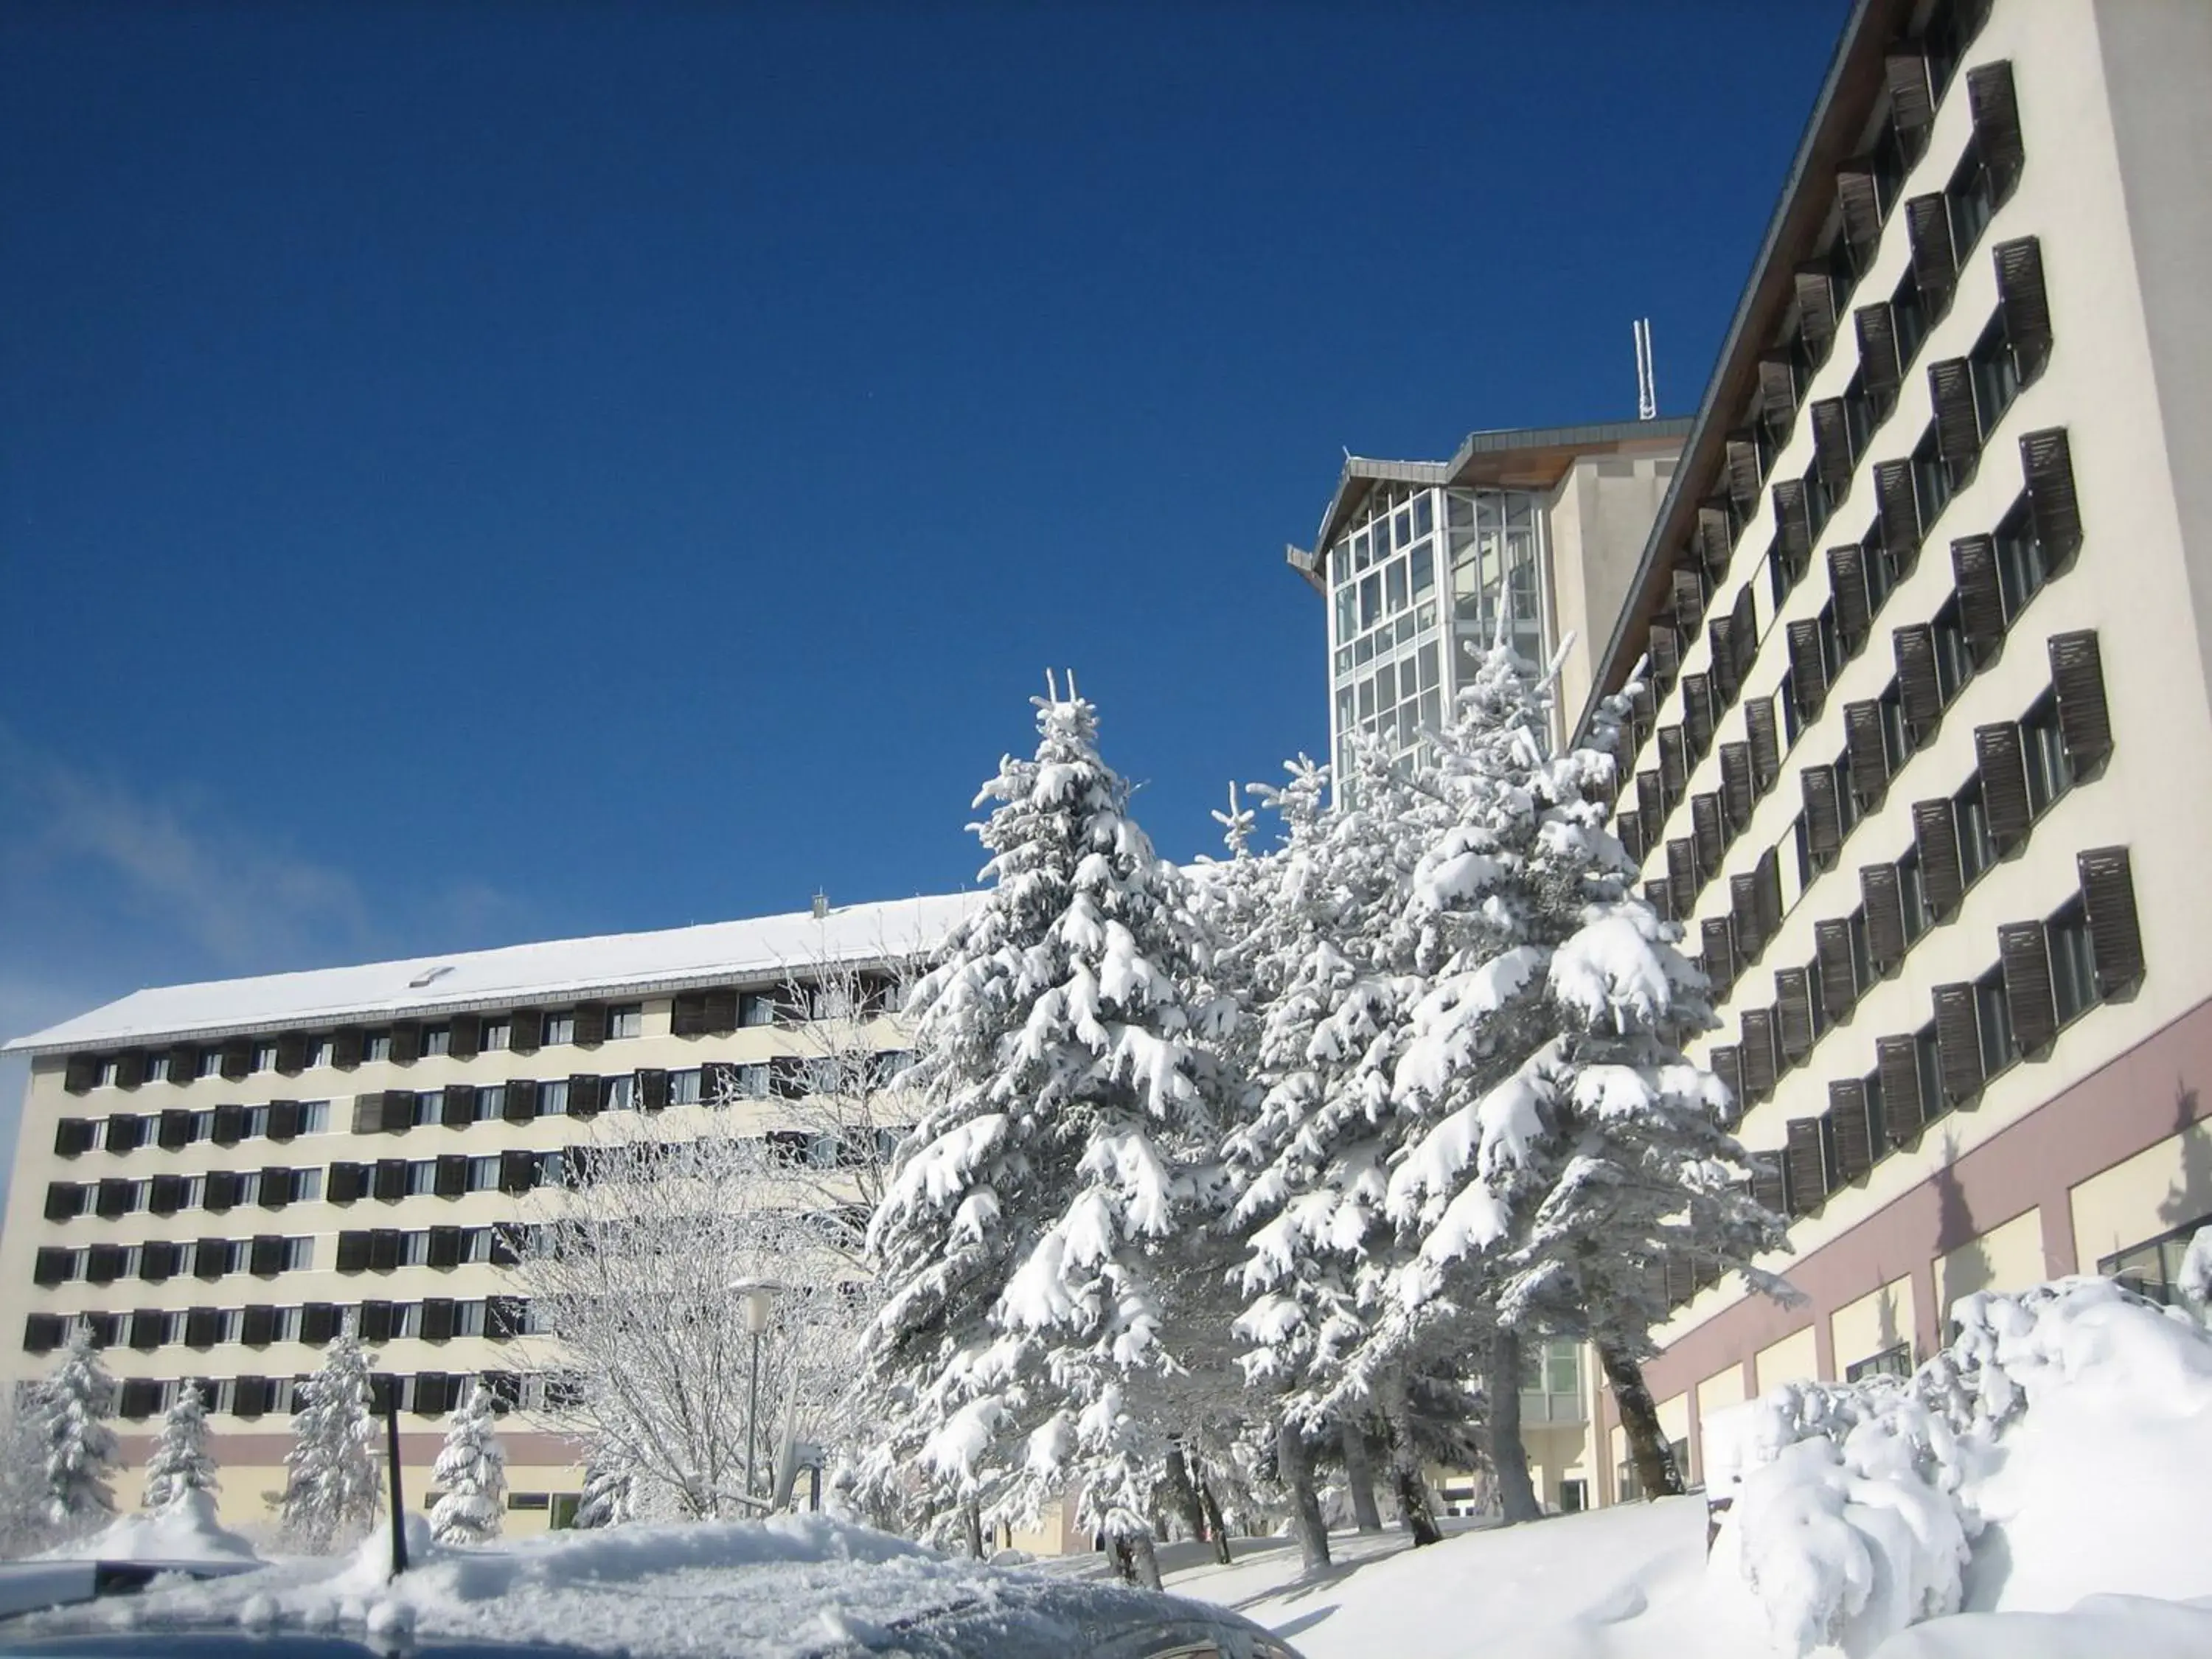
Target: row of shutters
x,y
221,1190
172,1130
1822,1154
159,1259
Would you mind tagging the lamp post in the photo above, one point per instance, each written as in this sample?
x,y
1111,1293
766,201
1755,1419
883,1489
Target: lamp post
x,y
755,1302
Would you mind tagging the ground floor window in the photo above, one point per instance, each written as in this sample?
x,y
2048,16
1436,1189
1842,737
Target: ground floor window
x,y
1894,1361
2153,1268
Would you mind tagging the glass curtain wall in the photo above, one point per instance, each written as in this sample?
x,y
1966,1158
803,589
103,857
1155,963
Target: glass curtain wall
x,y
1394,636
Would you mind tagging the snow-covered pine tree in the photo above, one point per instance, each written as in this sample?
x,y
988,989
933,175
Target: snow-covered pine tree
x,y
606,1501
71,1408
180,1461
1060,1157
470,1472
1310,1163
332,1488
1566,1149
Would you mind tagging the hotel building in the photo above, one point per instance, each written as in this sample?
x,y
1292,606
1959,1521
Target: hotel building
x,y
211,1178
1926,749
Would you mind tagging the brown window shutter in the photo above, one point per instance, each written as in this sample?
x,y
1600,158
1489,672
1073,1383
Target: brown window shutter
x,y
1651,806
1698,714
80,1073
237,1060
1727,679
1777,390
518,1171
1958,428
2025,955
1765,743
686,1013
284,1123
176,1130
1705,831
1642,715
1743,632
1896,1063
406,1042
2047,461
1662,656
1860,198
1744,478
1681,878
1736,794
1628,825
1996,110
1831,949
1816,309
398,1111
1999,755
228,1128
275,1188
1868,752
1832,447
1673,765
459,1107
590,1023
652,1090
466,1037
1852,1127
1770,1187
1808,668
1936,834
1660,896
346,1182
2108,893
519,1103
1809,1172
1879,365
1757,1053
1725,1063
1935,266
1743,915
1897,507
2024,305
1720,953
1793,525
1958,1041
1689,594
345,1047
452,1179
1920,692
1766,876
1911,98
525,1030
2085,721
185,1063
586,1094
368,1115
1824,821
1793,1013
722,1011
1714,537
292,1053
1981,600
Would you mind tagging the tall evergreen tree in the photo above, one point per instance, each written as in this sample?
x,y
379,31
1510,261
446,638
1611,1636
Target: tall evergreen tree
x,y
1068,1121
70,1409
1565,1149
330,1485
471,1474
180,1461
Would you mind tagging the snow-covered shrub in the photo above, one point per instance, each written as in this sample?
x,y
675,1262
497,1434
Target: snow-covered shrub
x,y
1855,1508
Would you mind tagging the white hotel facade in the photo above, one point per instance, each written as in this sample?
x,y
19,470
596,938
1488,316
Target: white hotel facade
x,y
211,1178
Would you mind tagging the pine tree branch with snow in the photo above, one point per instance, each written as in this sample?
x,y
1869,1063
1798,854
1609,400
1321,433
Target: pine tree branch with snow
x,y
70,1411
470,1474
180,1461
333,1489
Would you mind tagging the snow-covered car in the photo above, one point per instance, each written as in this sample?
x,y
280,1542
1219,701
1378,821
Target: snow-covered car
x,y
795,1585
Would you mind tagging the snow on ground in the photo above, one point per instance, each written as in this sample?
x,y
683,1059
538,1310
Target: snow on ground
x,y
185,1531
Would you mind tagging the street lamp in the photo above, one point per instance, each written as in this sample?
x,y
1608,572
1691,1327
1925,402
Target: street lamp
x,y
755,1302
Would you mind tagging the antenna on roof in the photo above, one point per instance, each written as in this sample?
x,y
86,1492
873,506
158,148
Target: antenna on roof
x,y
1647,384
821,904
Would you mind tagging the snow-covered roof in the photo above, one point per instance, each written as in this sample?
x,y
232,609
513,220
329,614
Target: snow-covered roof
x,y
672,959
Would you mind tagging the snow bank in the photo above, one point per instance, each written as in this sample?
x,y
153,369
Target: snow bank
x,y
185,1530
2052,1453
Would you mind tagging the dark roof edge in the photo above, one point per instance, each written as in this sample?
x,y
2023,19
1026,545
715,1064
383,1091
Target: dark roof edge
x,y
1731,345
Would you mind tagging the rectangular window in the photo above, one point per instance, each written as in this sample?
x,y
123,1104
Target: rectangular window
x,y
1977,850
157,1068
683,1087
758,1007
496,1033
1955,662
375,1046
1994,1015
753,1082
264,1057
2073,963
2021,571
437,1040
1931,479
1971,198
211,1063
1934,1103
1890,1362
626,1020
318,1051
553,1098
1908,310
2154,1269
560,1028
2050,767
1995,374
621,1093
1912,896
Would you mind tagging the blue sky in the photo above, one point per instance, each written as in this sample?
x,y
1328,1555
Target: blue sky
x,y
473,472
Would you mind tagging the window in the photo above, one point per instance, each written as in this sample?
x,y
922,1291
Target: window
x,y
753,1082
157,1068
2073,964
1994,1015
1908,310
621,1093
1895,1361
1995,373
1977,850
553,1098
1934,1103
318,1051
496,1033
2043,749
683,1087
559,1028
437,1040
1931,477
1955,662
1972,198
263,1058
626,1020
1912,896
755,1008
375,1046
2153,1269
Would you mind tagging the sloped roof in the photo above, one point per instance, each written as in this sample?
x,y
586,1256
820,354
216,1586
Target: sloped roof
x,y
764,947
